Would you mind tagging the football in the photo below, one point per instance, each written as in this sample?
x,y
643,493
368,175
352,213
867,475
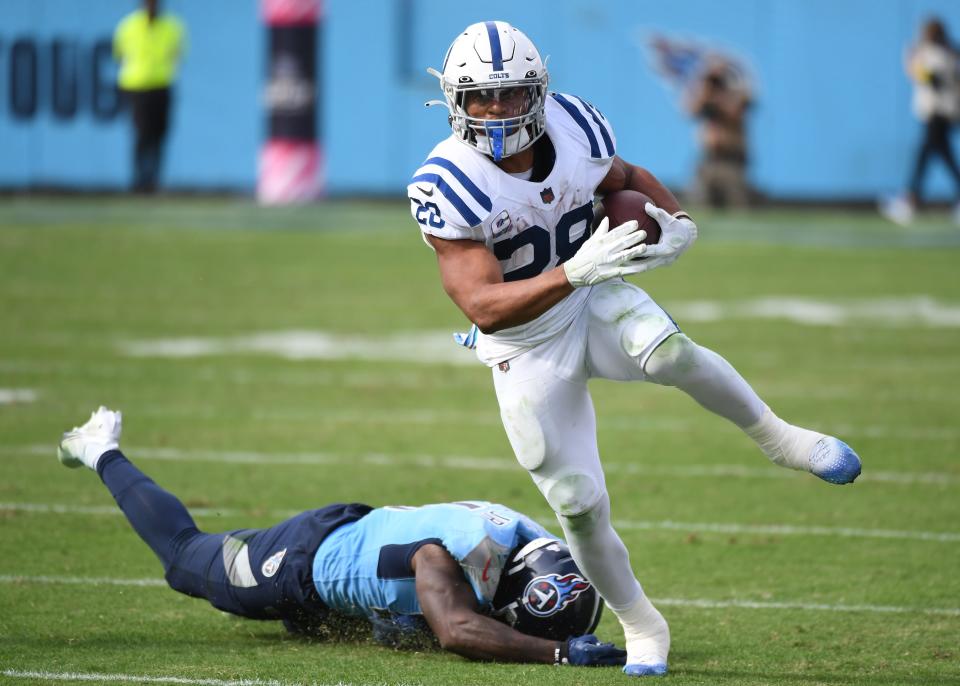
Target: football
x,y
622,206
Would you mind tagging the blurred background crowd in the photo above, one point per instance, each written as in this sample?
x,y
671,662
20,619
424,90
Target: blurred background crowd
x,y
732,105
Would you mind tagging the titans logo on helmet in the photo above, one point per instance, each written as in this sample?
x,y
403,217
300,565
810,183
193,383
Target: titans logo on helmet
x,y
547,595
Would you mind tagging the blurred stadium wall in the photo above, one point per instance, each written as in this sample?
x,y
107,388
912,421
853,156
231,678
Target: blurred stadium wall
x,y
832,119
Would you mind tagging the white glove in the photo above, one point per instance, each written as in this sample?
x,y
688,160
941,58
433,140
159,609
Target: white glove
x,y
606,254
676,235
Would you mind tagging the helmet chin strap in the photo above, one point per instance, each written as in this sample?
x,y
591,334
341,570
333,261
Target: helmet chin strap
x,y
495,143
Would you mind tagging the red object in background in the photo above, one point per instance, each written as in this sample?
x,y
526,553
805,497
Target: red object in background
x,y
290,12
291,169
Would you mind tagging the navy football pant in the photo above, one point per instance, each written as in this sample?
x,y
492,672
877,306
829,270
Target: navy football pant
x,y
256,573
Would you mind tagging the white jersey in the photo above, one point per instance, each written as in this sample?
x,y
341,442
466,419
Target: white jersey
x,y
531,227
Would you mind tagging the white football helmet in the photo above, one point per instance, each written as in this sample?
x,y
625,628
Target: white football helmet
x,y
494,61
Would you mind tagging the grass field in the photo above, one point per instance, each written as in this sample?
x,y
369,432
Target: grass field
x,y
269,361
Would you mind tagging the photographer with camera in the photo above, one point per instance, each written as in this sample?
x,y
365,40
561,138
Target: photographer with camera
x,y
720,101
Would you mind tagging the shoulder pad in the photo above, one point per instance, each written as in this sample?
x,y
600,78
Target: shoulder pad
x,y
455,185
585,122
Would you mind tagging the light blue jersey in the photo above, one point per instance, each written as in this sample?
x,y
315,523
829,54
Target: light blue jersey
x,y
364,567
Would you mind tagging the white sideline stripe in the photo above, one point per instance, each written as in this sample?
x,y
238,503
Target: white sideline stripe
x,y
667,525
494,464
139,679
677,602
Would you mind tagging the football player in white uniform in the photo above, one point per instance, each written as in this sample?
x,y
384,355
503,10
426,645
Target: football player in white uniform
x,y
506,202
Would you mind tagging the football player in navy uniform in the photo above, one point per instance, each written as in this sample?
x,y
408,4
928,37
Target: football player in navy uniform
x,y
482,580
506,202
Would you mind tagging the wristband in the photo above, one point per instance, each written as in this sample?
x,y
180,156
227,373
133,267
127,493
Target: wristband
x,y
561,654
680,214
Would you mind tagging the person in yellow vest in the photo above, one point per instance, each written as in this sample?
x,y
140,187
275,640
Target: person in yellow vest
x,y
148,45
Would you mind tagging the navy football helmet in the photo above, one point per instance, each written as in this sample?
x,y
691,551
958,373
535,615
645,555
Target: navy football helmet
x,y
543,593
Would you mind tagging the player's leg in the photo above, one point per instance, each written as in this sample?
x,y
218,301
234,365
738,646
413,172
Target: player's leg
x,y
713,382
922,161
193,561
945,149
549,419
633,338
158,517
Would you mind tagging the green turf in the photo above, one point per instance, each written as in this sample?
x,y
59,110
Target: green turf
x,y
80,278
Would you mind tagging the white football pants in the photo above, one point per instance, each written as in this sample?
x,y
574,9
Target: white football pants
x,y
550,421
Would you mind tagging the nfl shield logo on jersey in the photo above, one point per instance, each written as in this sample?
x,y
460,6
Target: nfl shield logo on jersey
x,y
272,564
547,595
547,195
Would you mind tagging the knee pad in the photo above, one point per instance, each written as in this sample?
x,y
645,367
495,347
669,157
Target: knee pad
x,y
676,356
642,330
573,494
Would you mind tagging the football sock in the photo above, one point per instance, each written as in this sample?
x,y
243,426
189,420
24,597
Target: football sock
x,y
157,516
785,444
706,377
601,555
645,630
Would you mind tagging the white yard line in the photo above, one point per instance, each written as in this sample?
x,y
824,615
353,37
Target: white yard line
x,y
605,422
677,602
433,347
79,581
473,463
665,525
41,675
14,396
789,530
818,607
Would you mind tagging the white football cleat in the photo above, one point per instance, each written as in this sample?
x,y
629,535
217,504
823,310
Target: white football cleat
x,y
899,210
84,445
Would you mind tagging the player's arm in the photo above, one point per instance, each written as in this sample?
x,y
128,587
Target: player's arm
x,y
451,610
473,279
625,176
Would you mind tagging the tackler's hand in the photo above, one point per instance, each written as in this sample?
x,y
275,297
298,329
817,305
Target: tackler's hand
x,y
588,651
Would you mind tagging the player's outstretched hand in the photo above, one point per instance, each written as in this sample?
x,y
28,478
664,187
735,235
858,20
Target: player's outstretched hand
x,y
606,254
676,235
588,651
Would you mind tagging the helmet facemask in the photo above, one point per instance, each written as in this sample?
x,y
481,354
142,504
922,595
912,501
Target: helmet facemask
x,y
523,101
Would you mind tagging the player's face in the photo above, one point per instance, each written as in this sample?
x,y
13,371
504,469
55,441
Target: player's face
x,y
497,103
